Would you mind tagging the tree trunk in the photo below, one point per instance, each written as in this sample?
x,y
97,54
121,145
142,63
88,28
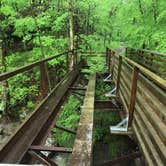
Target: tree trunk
x,y
4,84
41,46
71,35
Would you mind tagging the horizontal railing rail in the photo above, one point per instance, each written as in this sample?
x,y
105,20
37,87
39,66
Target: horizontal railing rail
x,y
152,60
151,75
148,51
9,74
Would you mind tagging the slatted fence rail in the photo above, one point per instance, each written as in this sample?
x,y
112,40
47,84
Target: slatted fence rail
x,y
143,95
152,60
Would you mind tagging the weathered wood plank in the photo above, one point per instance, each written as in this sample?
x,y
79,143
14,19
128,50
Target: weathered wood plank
x,y
153,135
82,150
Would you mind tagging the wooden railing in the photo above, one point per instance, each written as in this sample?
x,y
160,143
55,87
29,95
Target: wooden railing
x,y
152,60
143,95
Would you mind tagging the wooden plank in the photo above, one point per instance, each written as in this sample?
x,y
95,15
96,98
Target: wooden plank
x,y
157,141
119,75
155,102
155,156
133,94
82,150
50,148
151,114
22,139
123,101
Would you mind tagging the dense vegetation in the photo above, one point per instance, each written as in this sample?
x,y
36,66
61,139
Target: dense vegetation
x,y
31,30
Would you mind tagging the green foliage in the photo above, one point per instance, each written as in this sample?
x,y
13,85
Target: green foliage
x,y
60,22
68,118
96,64
102,122
24,26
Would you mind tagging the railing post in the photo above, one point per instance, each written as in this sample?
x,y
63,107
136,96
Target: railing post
x,y
106,56
43,80
119,74
133,94
112,63
109,60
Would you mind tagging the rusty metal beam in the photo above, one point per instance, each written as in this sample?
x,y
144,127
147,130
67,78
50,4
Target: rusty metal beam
x,y
82,150
9,74
17,146
42,158
50,149
43,80
65,129
106,105
124,158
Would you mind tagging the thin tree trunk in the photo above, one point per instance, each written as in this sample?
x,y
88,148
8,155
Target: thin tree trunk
x,y
41,47
71,35
5,94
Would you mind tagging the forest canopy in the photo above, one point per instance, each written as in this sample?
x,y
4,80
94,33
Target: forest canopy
x,y
34,29
112,22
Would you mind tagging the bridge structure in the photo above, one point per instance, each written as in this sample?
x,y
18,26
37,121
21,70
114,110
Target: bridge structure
x,y
140,95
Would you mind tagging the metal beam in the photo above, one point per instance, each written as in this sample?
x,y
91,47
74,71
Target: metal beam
x,y
9,74
17,146
124,158
106,105
50,149
65,129
42,158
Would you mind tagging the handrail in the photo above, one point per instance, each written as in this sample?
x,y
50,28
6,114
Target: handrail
x,y
9,74
148,51
157,79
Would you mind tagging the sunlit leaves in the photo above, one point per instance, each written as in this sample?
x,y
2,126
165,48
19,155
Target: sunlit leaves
x,y
24,26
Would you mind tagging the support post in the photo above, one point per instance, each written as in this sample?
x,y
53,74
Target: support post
x,y
109,60
112,63
119,74
133,94
43,80
106,56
